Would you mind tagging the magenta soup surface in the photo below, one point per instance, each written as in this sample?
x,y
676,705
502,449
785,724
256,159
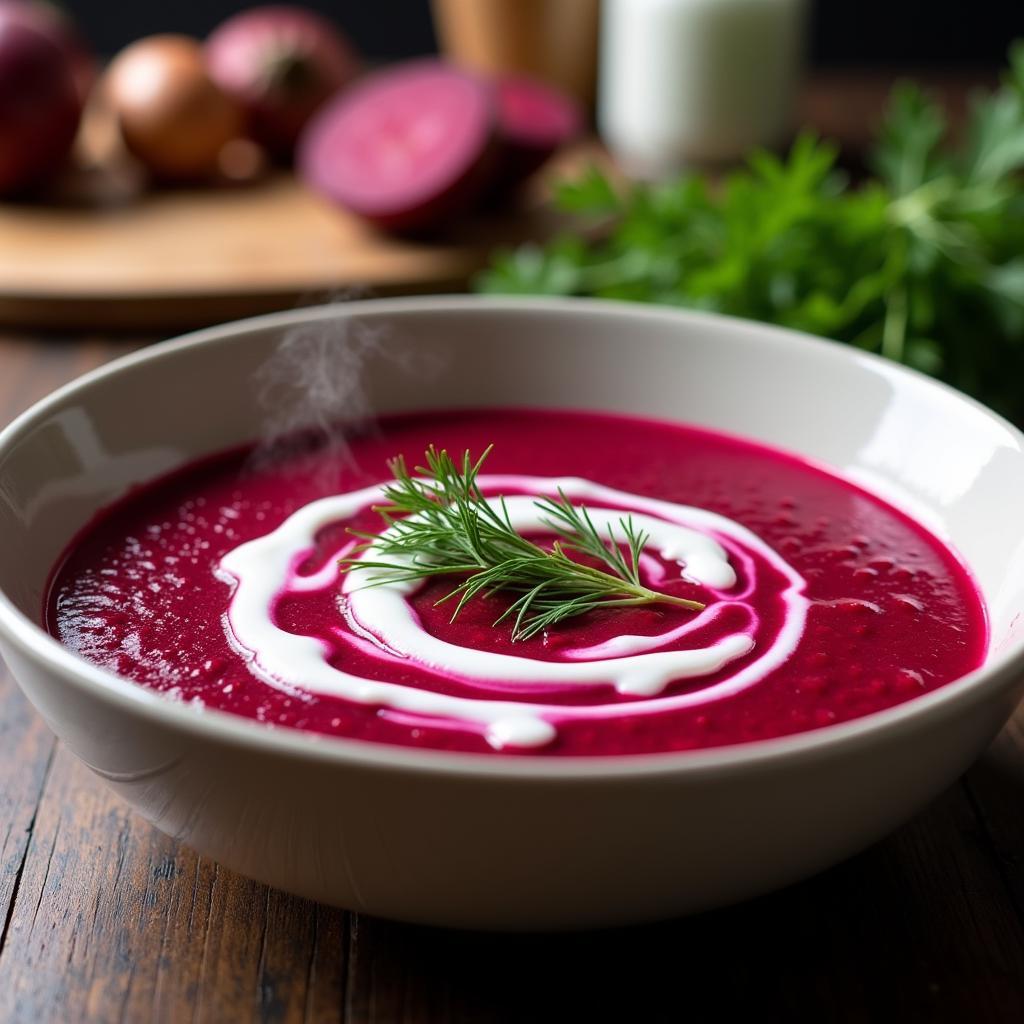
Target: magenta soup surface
x,y
882,611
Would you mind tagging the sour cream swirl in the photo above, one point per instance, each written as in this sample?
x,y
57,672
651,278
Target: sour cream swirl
x,y
705,546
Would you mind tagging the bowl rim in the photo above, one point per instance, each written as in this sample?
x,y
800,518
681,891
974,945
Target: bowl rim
x,y
32,641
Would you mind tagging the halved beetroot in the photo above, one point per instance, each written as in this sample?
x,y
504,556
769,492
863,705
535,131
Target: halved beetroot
x,y
406,148
534,120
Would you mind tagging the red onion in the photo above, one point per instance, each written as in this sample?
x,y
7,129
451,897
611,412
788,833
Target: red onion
x,y
39,104
280,63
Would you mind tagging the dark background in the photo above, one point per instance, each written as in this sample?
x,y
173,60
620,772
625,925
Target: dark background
x,y
882,33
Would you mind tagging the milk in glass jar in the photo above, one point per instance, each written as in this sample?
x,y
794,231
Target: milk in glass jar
x,y
687,82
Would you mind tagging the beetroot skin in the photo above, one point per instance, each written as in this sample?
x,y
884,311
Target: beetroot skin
x,y
281,64
39,105
406,148
52,21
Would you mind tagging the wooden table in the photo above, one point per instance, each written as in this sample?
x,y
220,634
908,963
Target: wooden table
x,y
105,919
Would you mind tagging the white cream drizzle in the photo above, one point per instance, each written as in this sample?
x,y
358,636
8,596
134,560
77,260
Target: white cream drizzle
x,y
263,568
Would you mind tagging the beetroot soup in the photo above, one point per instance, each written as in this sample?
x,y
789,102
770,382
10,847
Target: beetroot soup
x,y
788,598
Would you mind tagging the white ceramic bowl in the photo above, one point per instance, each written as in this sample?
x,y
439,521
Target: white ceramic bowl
x,y
489,841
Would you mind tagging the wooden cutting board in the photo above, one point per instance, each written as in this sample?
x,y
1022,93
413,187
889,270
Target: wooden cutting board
x,y
174,259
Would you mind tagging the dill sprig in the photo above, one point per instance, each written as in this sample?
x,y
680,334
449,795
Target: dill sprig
x,y
438,523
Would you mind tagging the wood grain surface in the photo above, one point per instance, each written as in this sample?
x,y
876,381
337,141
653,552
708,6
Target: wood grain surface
x,y
181,258
105,919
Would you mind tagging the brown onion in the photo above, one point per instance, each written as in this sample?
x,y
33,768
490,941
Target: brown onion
x,y
171,114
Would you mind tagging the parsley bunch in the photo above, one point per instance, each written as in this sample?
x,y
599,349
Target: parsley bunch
x,y
923,263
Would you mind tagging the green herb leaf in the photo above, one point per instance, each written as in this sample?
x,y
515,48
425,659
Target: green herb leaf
x,y
592,194
922,263
908,153
440,524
